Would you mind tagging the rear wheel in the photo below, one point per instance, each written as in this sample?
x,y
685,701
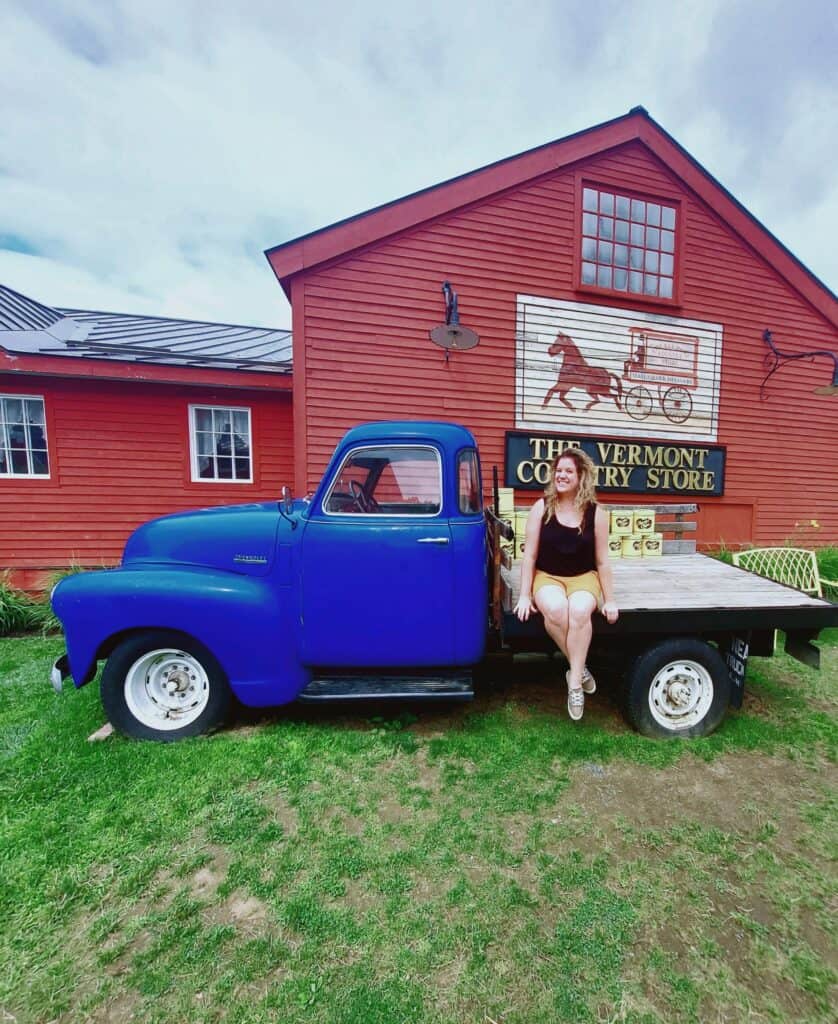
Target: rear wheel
x,y
163,685
678,687
677,404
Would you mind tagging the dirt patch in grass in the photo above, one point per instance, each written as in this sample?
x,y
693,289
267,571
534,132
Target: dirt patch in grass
x,y
708,821
351,824
728,793
204,883
118,1010
428,775
247,913
356,896
392,812
741,980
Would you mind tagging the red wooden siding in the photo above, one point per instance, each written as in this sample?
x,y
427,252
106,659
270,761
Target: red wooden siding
x,y
361,347
119,455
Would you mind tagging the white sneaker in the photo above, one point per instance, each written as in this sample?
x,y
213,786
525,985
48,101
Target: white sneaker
x,y
588,681
575,700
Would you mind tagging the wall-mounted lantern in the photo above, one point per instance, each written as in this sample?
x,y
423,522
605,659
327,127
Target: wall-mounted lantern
x,y
452,335
776,359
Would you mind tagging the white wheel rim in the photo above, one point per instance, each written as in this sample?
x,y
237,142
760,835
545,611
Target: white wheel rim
x,y
680,695
166,689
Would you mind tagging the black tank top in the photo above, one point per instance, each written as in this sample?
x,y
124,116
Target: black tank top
x,y
564,550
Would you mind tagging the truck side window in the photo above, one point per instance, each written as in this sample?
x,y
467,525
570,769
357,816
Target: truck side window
x,y
468,475
387,480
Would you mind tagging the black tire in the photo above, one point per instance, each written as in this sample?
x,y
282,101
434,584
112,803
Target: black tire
x,y
678,688
143,665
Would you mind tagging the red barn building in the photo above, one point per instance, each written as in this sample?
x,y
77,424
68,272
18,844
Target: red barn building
x,y
107,420
620,295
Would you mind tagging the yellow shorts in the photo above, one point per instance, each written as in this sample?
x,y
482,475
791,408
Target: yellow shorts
x,y
588,581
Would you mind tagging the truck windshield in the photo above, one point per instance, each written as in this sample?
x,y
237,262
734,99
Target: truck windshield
x,y
387,480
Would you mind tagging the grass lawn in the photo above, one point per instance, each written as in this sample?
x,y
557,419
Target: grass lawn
x,y
490,863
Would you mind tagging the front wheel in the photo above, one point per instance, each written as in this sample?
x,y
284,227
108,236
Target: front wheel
x,y
678,687
162,685
638,403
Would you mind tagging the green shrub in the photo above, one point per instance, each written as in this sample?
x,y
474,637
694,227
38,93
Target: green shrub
x,y
18,611
828,568
828,562
723,553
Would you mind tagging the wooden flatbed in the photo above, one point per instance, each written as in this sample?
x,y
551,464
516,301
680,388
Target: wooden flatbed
x,y
689,593
687,626
677,594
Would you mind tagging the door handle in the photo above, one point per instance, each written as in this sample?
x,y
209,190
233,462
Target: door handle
x,y
432,540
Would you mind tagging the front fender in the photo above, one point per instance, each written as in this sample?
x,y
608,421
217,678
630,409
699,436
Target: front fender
x,y
246,622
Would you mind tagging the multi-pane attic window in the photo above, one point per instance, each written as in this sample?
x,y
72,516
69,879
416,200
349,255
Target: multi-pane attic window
x,y
628,244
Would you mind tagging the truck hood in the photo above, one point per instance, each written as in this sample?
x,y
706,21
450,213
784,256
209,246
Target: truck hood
x,y
240,538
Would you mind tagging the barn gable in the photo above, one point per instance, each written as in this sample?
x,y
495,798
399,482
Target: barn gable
x,y
511,238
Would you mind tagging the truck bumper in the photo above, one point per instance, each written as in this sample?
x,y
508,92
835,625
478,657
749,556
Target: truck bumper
x,y
59,672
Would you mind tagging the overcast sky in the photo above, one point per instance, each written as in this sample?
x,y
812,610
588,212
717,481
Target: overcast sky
x,y
150,150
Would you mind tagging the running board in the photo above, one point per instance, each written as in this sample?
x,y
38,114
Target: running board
x,y
448,687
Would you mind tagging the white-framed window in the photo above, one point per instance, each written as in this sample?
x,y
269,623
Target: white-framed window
x,y
220,444
23,436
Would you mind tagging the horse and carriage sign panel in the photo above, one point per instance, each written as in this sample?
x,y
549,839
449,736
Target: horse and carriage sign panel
x,y
603,378
588,369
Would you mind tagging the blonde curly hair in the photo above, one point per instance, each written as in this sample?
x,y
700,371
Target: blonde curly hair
x,y
585,495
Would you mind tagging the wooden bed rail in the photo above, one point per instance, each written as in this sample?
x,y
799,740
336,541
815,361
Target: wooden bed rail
x,y
671,522
498,530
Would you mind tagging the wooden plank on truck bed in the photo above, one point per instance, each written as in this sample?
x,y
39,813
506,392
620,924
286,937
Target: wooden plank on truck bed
x,y
687,581
659,509
678,547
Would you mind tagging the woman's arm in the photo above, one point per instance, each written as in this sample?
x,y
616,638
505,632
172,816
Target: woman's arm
x,y
524,608
603,565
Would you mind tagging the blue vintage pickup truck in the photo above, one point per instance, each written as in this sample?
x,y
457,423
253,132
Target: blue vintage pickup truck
x,y
385,584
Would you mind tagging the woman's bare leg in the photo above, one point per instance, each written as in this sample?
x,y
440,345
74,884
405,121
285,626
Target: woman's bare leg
x,y
581,606
551,601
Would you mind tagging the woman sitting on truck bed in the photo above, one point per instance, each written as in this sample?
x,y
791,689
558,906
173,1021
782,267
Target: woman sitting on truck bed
x,y
566,572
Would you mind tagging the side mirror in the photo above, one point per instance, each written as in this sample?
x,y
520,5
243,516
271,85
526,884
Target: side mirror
x,y
287,500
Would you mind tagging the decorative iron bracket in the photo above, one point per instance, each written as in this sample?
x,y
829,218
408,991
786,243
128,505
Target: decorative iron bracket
x,y
452,313
776,359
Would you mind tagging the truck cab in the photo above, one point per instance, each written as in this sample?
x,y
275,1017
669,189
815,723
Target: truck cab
x,y
393,564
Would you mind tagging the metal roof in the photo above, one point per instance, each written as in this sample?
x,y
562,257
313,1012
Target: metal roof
x,y
27,326
19,313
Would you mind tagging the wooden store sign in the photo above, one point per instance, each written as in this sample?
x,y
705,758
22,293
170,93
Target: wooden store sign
x,y
631,467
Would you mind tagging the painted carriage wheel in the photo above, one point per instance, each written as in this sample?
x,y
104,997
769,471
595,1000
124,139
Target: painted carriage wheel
x,y
677,404
638,403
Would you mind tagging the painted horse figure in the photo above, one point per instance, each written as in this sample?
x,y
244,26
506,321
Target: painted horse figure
x,y
576,372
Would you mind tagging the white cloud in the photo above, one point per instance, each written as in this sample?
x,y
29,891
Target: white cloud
x,y
150,151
